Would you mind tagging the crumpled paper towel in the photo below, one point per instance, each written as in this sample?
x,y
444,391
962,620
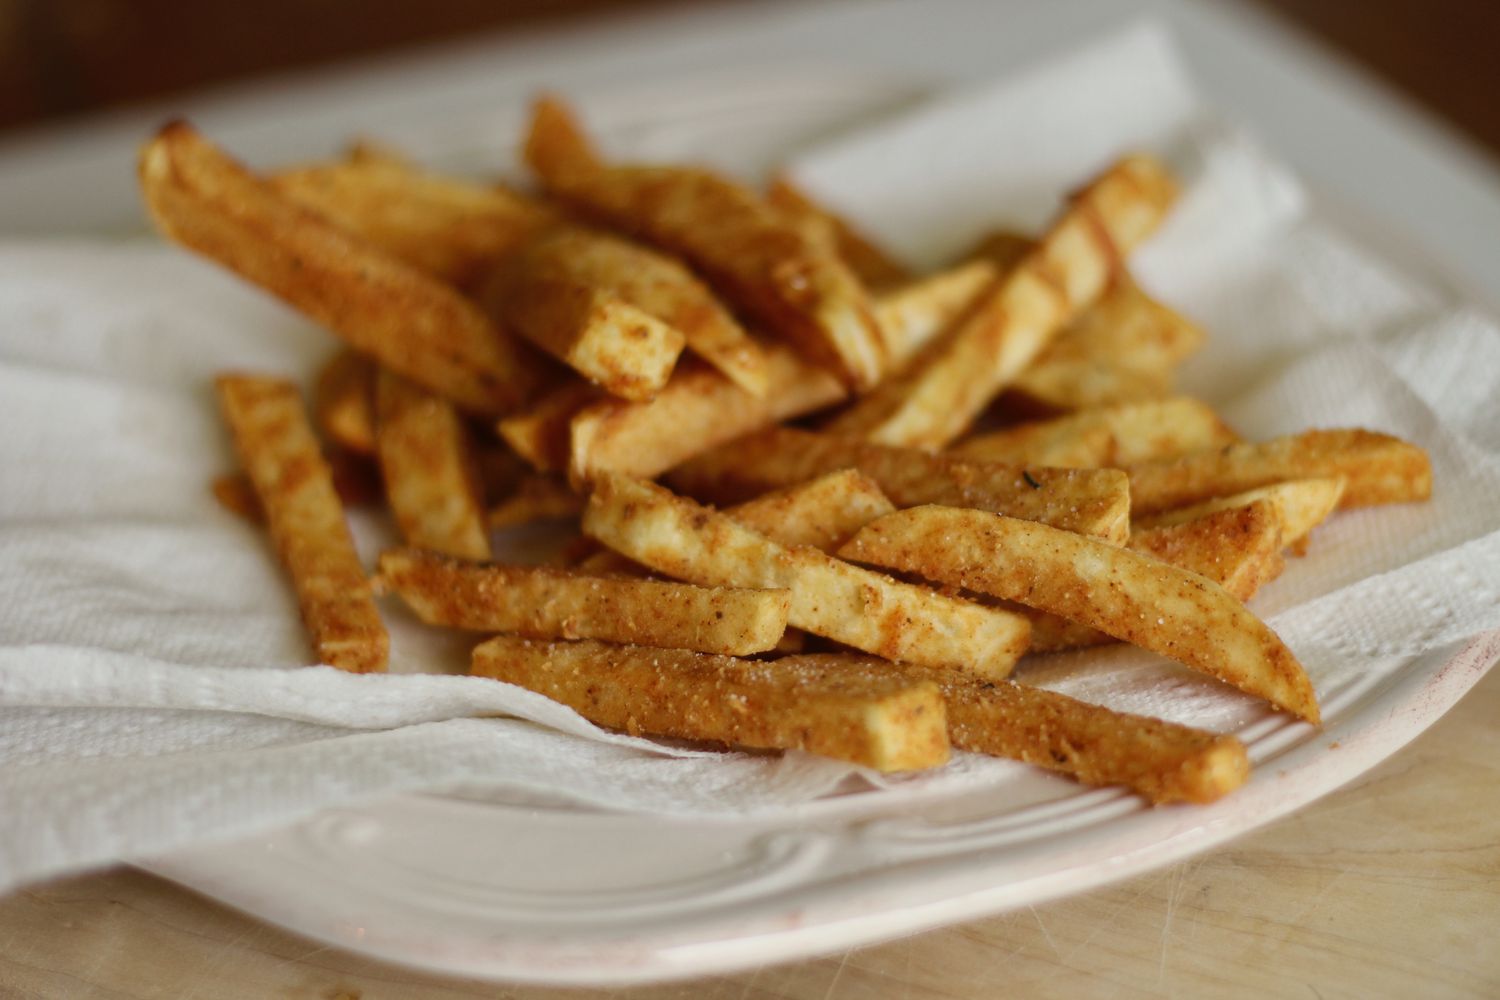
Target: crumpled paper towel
x,y
151,688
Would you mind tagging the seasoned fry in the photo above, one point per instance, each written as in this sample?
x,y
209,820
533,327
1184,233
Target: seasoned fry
x,y
1136,432
1093,501
344,401
278,451
851,712
1299,505
1377,469
540,602
936,399
912,316
560,291
428,466
821,513
541,432
1123,593
875,268
536,498
675,536
773,268
354,480
698,409
407,320
451,229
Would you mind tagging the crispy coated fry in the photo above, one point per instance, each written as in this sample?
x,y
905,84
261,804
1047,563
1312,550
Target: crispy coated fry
x,y
875,268
1093,501
540,602
560,291
451,229
847,711
698,409
1130,596
541,432
911,317
354,480
536,498
773,268
409,321
1134,432
427,463
821,513
1377,469
1300,505
276,447
344,401
831,598
939,395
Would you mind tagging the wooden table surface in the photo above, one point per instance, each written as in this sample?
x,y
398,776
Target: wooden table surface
x,y
1390,887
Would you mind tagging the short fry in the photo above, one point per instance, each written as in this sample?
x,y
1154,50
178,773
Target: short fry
x,y
1377,469
279,453
541,432
540,602
428,466
911,316
1093,501
846,711
1299,505
821,513
675,536
344,401
1132,597
409,321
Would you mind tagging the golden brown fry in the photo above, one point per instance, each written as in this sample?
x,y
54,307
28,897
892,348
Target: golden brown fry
x,y
1093,501
821,513
774,269
1125,594
1163,761
541,432
912,316
344,401
851,712
452,229
875,268
1134,432
1377,469
427,463
936,399
1299,505
560,291
355,480
675,536
536,498
698,409
407,320
540,602
278,451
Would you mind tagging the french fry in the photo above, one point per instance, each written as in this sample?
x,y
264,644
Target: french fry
x,y
850,712
1377,469
428,467
762,260
1093,501
560,291
540,602
1162,761
279,453
541,433
1134,432
935,400
451,229
698,409
1299,505
412,323
354,480
911,317
821,513
344,401
875,268
537,497
846,603
1132,597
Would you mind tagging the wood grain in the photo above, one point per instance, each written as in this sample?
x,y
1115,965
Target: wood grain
x,y
1387,888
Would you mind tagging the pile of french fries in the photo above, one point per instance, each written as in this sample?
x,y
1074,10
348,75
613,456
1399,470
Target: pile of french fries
x,y
630,344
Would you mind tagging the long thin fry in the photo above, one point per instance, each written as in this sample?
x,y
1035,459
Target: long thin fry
x,y
937,398
675,536
875,268
1093,501
1136,432
1125,594
277,449
540,602
355,480
541,433
412,323
427,462
911,316
846,711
